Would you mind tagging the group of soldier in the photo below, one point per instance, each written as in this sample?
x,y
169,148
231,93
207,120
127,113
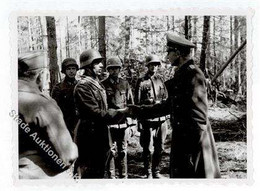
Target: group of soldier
x,y
87,122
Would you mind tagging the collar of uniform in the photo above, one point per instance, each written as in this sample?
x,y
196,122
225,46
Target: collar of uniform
x,y
183,65
149,75
70,81
91,80
25,86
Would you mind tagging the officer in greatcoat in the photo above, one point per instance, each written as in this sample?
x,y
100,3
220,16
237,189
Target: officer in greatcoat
x,y
46,149
63,93
193,153
119,94
92,134
150,89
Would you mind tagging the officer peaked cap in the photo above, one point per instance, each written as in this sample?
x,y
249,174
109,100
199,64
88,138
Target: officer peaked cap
x,y
177,41
32,60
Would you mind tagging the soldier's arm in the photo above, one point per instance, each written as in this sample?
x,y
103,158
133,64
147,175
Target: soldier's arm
x,y
51,118
86,96
151,111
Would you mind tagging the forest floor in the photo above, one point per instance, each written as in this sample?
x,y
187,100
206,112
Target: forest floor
x,y
229,127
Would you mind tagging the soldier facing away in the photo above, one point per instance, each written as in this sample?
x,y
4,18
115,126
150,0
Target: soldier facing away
x,y
48,136
63,93
193,153
92,133
119,94
150,89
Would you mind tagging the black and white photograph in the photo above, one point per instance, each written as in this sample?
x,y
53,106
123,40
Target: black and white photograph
x,y
132,96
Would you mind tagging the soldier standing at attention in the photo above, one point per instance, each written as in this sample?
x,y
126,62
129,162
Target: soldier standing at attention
x,y
47,150
150,89
63,93
193,152
119,94
92,134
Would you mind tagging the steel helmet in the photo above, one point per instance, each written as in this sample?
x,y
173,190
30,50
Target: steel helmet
x,y
114,62
68,62
152,59
88,57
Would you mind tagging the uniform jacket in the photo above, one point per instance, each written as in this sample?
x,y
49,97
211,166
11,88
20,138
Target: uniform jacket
x,y
63,95
193,152
44,117
150,90
92,135
119,94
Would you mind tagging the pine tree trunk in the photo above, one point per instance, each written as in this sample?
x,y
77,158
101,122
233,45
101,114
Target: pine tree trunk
x,y
79,37
231,44
127,35
68,39
236,67
52,47
195,19
214,45
101,37
205,40
30,34
44,33
173,27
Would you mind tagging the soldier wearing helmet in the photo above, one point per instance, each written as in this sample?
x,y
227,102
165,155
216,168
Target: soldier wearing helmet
x,y
150,89
46,149
92,133
119,94
63,93
193,153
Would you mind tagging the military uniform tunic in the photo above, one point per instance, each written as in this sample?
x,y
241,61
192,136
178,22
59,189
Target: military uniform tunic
x,y
119,94
63,95
48,136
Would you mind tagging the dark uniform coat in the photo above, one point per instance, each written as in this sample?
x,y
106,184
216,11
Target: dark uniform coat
x,y
63,95
44,118
92,135
193,152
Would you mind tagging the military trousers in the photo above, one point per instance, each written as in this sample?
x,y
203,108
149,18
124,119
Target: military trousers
x,y
119,139
152,139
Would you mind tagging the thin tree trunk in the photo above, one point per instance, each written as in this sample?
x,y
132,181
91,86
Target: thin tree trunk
x,y
195,19
186,27
205,40
44,33
173,27
30,34
68,39
101,37
52,47
127,35
214,45
79,36
236,38
231,44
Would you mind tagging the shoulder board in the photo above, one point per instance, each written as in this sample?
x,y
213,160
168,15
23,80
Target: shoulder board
x,y
191,67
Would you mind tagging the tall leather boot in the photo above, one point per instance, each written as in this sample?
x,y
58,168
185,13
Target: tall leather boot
x,y
147,167
155,165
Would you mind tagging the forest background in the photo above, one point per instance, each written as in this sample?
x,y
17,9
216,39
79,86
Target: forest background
x,y
220,52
